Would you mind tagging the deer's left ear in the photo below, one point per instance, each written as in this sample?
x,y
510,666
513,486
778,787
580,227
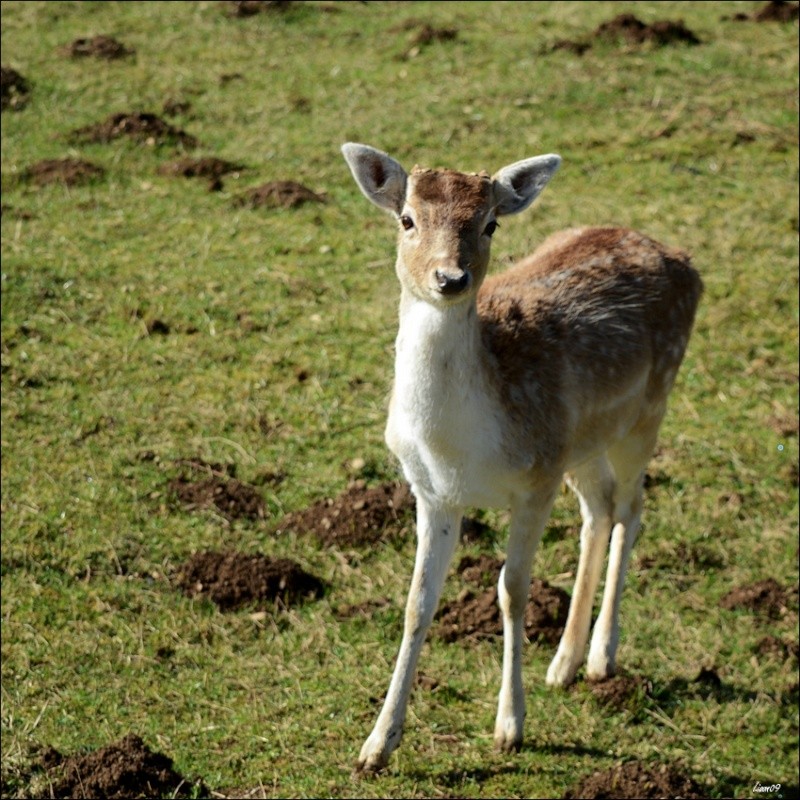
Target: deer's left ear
x,y
517,185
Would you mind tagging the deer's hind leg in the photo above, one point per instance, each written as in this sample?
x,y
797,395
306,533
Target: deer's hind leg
x,y
629,458
593,482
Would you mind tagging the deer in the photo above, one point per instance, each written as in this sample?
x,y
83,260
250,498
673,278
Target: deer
x,y
556,369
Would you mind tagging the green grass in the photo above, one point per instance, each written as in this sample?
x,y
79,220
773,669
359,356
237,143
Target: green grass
x,y
696,146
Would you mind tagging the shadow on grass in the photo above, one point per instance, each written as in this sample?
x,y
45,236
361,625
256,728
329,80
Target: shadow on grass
x,y
707,686
564,750
453,778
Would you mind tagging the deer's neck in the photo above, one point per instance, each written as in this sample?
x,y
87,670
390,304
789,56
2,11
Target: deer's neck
x,y
438,359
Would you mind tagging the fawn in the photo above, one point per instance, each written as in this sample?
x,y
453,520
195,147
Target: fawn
x,y
559,367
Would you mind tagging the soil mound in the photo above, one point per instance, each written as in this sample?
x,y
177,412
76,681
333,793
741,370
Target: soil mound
x,y
633,30
67,171
125,769
278,194
218,489
620,691
106,47
628,28
777,11
14,89
232,580
477,616
140,126
481,570
636,781
249,8
766,598
359,516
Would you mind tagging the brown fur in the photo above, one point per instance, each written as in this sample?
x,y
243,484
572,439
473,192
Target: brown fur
x,y
584,314
449,210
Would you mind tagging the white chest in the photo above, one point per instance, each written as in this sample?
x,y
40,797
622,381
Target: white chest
x,y
444,422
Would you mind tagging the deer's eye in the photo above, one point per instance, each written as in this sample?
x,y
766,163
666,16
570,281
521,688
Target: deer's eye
x,y
491,228
406,222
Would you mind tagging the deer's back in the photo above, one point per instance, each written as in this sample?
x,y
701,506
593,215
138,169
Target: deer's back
x,y
591,315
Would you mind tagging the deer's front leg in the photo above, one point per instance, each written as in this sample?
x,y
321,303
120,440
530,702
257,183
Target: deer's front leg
x,y
438,530
528,517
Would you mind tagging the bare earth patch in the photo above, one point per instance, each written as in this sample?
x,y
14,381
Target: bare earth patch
x,y
125,769
777,11
631,30
765,598
232,580
140,126
249,8
278,194
214,486
636,781
105,47
359,516
66,171
477,616
482,570
14,89
621,690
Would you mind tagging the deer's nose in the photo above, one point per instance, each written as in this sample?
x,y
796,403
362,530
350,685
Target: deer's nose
x,y
452,282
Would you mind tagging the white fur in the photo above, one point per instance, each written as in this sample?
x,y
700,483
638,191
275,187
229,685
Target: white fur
x,y
444,422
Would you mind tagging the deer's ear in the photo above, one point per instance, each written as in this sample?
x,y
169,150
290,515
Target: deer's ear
x,y
517,185
380,177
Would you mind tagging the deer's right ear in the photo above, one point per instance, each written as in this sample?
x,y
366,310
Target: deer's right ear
x,y
379,176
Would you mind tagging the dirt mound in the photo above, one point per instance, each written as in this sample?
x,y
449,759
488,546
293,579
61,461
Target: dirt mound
x,y
358,516
637,781
125,769
106,47
278,194
777,11
140,126
766,598
621,690
232,580
14,89
631,29
219,489
67,171
249,8
481,570
477,616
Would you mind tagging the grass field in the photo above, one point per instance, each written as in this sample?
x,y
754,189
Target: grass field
x,y
147,320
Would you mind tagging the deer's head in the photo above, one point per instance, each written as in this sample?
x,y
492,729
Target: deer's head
x,y
446,219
